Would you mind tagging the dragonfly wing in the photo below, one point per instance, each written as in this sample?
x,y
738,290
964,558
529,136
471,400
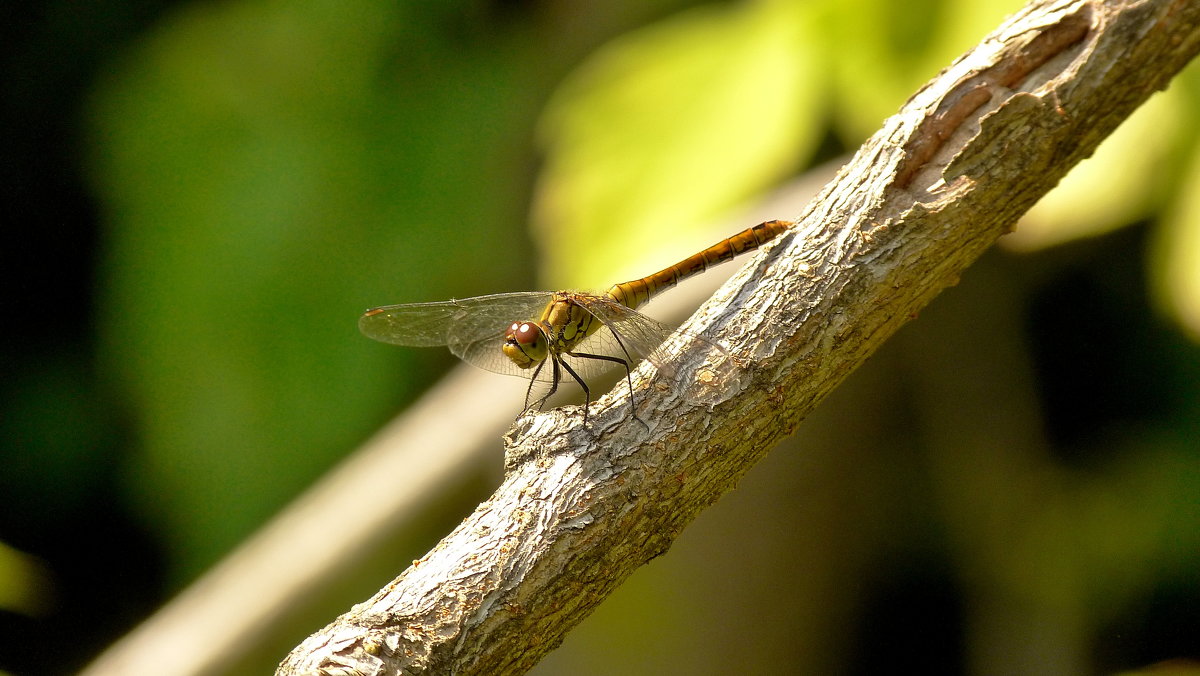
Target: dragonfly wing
x,y
473,328
451,321
627,333
412,324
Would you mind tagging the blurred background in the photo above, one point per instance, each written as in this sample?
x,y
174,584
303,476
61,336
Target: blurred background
x,y
201,197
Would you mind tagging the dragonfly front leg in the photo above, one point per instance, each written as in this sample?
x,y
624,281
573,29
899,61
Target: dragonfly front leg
x,y
533,379
587,393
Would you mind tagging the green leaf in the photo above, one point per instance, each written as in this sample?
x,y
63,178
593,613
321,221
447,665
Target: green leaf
x,y
881,51
1176,252
667,127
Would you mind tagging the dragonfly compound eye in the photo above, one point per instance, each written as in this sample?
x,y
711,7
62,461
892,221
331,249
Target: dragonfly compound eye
x,y
524,344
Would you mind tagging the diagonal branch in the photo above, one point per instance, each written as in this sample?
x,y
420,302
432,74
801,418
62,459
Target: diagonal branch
x,y
581,508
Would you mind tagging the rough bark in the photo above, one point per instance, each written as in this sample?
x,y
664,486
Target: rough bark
x,y
581,508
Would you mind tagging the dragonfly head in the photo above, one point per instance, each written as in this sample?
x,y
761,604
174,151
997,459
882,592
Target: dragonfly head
x,y
525,343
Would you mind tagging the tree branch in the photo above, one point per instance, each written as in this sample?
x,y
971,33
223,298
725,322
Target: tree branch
x,y
580,509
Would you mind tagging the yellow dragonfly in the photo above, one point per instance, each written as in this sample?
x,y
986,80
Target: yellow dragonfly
x,y
577,333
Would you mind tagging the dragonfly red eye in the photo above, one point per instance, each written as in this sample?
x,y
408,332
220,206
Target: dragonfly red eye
x,y
524,333
525,344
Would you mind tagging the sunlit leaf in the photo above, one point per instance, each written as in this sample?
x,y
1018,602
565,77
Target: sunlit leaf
x,y
668,126
1176,268
24,586
881,51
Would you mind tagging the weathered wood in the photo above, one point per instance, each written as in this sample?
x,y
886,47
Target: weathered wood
x,y
581,508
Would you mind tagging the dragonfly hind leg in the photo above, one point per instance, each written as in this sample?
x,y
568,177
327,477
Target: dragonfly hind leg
x,y
628,381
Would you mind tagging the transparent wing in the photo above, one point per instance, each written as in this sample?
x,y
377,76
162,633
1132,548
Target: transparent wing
x,y
642,336
627,333
473,328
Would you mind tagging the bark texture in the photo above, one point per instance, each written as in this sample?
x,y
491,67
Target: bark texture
x,y
581,508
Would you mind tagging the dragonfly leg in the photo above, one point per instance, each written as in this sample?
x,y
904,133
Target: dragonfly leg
x,y
555,377
532,380
628,376
628,379
587,393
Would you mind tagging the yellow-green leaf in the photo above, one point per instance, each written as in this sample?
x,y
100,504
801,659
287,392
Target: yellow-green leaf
x,y
1176,265
665,128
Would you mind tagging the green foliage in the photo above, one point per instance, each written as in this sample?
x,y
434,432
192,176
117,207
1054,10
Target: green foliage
x,y
669,126
270,169
1177,253
270,172
1149,169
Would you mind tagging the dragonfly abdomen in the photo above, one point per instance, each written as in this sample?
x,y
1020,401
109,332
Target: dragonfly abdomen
x,y
634,293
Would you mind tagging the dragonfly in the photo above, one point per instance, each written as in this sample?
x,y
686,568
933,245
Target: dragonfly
x,y
541,335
